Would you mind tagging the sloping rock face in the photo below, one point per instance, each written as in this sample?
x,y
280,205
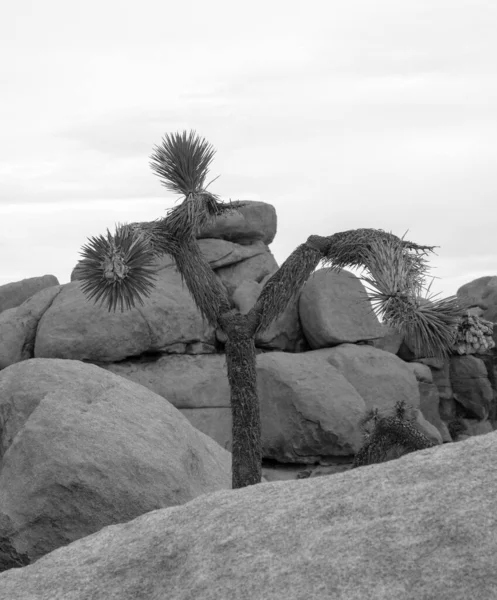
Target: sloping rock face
x,y
252,221
308,410
334,308
196,385
81,448
18,326
15,293
422,526
75,328
471,385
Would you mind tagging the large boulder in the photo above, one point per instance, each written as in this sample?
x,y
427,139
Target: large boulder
x,y
18,326
309,412
15,293
334,308
381,379
471,386
252,221
422,526
255,269
76,328
391,340
81,448
196,385
284,333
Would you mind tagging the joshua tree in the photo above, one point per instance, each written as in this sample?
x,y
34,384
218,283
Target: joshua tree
x,y
119,268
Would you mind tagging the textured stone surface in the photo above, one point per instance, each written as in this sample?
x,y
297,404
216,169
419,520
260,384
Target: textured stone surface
x,y
15,293
255,269
420,527
334,309
440,372
199,381
379,377
429,403
308,410
81,448
221,253
285,333
216,422
471,386
476,427
421,372
18,326
75,328
252,221
391,340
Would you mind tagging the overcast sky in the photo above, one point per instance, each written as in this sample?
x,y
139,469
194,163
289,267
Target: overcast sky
x,y
342,114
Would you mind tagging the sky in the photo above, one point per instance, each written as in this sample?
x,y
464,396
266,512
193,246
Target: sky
x,y
341,114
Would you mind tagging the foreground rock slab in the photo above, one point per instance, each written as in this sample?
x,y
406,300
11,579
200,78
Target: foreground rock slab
x,y
82,448
422,526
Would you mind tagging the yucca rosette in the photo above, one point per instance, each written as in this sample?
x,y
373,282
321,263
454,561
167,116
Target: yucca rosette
x,y
118,269
396,284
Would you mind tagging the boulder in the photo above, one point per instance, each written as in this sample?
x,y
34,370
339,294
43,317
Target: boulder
x,y
440,373
252,221
203,396
285,333
429,402
334,308
255,269
391,340
422,526
76,328
81,448
471,386
476,427
18,326
15,293
381,379
222,253
421,371
308,410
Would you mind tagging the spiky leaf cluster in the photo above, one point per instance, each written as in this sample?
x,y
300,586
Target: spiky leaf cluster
x,y
395,280
118,268
389,437
182,162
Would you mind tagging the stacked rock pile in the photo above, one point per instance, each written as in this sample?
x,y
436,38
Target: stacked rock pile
x,y
474,335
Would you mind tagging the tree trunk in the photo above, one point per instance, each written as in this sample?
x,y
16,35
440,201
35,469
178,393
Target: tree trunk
x,y
247,442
